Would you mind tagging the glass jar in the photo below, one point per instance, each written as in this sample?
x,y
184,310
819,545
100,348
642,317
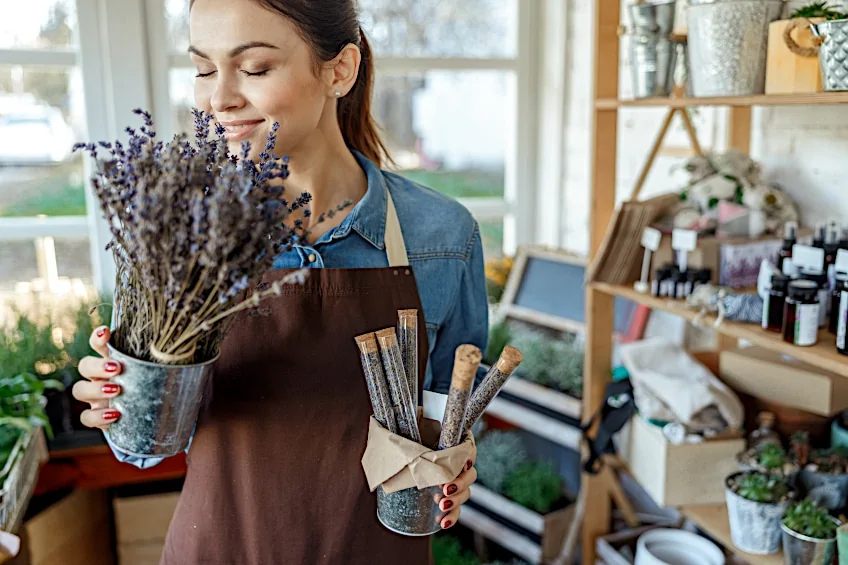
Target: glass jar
x,y
820,279
836,301
801,313
658,284
842,322
765,433
774,304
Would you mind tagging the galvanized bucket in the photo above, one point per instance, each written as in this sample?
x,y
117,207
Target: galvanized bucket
x,y
728,41
754,526
410,512
159,405
652,65
833,53
653,16
801,549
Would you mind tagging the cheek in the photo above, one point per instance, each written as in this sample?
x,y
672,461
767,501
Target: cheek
x,y
296,104
203,91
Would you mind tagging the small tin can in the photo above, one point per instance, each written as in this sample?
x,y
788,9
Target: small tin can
x,y
411,512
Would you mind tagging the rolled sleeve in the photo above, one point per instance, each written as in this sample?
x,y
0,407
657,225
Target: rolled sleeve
x,y
138,460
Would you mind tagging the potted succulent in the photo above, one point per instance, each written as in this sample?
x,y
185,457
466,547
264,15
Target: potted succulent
x,y
194,230
809,534
825,477
755,504
769,458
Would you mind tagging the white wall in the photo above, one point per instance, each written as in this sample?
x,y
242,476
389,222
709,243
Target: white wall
x,y
804,149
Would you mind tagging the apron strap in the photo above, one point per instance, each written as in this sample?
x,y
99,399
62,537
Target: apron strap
x,y
395,245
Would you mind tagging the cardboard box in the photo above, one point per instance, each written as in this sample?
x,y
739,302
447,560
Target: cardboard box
x,y
788,72
770,376
141,524
677,475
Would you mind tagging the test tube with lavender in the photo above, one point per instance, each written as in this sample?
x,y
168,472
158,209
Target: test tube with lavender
x,y
490,386
466,360
378,389
408,338
407,414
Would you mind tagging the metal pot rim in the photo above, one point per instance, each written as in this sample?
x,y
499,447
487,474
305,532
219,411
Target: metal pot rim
x,y
803,537
143,363
790,495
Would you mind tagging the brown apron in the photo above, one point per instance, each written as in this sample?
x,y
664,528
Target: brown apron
x,y
274,474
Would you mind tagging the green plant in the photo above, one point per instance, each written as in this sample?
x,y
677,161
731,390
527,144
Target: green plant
x,y
833,461
448,550
554,363
29,347
536,485
22,400
772,456
499,454
819,10
499,337
758,487
806,518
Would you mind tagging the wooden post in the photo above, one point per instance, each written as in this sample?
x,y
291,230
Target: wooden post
x,y
739,128
599,307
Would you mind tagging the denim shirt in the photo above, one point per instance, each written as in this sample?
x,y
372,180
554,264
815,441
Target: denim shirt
x,y
444,249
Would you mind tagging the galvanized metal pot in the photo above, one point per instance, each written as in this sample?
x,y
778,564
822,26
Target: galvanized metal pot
x,y
656,16
754,526
728,42
652,65
410,512
827,490
799,549
833,53
159,405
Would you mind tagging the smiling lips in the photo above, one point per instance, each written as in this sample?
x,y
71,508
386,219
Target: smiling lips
x,y
240,130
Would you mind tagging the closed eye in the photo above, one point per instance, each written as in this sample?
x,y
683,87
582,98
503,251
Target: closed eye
x,y
256,74
204,75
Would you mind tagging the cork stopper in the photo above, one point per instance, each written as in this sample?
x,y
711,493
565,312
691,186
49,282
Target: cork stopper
x,y
408,314
387,338
510,359
367,343
466,361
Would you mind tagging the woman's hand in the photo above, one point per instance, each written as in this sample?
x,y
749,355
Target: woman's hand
x,y
456,494
97,389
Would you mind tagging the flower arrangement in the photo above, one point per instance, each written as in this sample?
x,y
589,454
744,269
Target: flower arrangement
x,y
194,229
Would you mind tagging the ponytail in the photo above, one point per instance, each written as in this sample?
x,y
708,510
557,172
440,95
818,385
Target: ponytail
x,y
354,110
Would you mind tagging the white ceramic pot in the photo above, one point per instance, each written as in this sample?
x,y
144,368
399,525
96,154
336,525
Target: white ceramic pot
x,y
664,546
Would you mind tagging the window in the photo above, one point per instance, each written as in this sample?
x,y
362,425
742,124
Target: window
x,y
449,79
44,241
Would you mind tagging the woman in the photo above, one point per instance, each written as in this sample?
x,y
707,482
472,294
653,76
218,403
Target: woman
x,y
274,473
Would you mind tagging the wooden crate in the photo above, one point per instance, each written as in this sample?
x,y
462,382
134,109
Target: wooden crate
x,y
786,71
141,523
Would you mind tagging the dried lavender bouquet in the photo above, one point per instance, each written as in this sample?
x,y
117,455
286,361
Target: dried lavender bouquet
x,y
193,228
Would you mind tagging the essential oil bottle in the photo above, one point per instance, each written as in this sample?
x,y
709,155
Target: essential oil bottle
x,y
658,284
820,279
840,286
775,303
790,238
842,323
801,313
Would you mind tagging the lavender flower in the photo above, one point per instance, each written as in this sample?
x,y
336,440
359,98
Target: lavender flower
x,y
194,228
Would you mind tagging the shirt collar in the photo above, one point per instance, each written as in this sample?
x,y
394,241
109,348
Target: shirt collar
x,y
368,217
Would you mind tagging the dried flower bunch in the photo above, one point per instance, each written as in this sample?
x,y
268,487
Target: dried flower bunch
x,y
193,228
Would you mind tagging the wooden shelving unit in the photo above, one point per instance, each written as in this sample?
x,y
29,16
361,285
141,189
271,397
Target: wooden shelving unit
x,y
600,297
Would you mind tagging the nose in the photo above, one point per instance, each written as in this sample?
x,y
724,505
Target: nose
x,y
226,95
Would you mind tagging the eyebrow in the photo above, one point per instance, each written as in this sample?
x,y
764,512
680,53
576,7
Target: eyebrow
x,y
235,52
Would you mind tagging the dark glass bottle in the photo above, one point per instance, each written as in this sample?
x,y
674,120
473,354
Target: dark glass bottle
x,y
705,276
842,323
790,238
820,279
801,313
820,235
774,304
836,301
658,284
765,433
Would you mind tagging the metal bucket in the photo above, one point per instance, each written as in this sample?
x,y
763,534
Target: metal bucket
x,y
833,53
159,405
652,65
655,17
799,549
754,526
827,490
728,41
410,512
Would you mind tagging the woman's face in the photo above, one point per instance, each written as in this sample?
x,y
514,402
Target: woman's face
x,y
253,69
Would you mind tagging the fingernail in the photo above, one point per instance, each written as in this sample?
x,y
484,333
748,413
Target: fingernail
x,y
101,332
452,490
111,415
447,505
469,465
448,524
110,389
111,366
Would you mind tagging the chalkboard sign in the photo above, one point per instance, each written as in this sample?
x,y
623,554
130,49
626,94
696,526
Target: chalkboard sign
x,y
547,287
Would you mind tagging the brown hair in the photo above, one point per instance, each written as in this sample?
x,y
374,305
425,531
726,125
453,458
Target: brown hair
x,y
328,26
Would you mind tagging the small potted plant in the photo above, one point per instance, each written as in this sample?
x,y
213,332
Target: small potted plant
x,y
825,477
756,503
809,534
769,458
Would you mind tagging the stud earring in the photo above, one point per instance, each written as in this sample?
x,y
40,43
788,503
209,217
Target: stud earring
x,y
338,94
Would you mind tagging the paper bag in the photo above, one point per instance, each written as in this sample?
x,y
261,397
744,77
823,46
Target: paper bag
x,y
398,463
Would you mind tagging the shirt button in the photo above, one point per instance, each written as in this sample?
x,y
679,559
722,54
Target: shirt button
x,y
312,257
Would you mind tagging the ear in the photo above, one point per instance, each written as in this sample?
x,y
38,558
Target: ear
x,y
343,70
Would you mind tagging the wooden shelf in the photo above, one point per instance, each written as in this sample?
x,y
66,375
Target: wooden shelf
x,y
520,545
536,423
822,355
548,398
757,100
713,520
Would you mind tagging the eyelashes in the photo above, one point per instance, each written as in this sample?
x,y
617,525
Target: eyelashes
x,y
247,73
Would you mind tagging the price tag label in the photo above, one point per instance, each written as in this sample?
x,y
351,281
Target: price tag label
x,y
684,240
841,265
651,239
808,258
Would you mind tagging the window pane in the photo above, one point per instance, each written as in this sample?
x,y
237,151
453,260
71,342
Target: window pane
x,y
176,13
441,28
491,232
38,24
447,129
181,85
41,117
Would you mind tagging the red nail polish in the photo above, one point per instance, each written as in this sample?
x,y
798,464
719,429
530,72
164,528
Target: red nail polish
x,y
452,490
469,465
101,332
448,524
111,415
110,389
110,366
447,505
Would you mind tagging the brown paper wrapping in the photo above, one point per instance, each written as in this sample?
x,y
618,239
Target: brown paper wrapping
x,y
398,463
